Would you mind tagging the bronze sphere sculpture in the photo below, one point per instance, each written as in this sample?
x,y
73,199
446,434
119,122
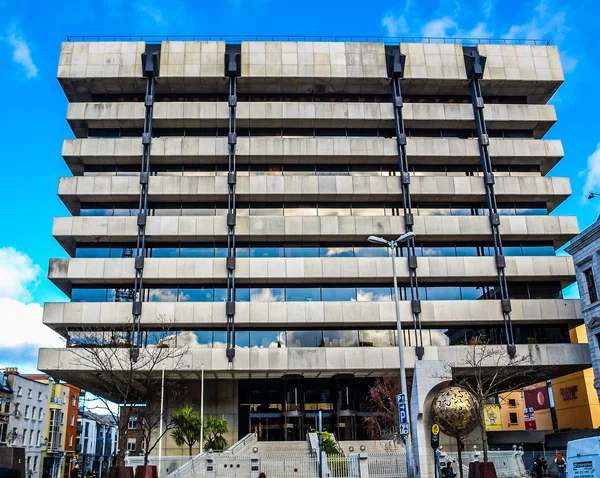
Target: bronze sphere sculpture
x,y
454,411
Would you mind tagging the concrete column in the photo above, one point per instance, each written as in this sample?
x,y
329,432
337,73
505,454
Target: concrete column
x,y
429,377
254,467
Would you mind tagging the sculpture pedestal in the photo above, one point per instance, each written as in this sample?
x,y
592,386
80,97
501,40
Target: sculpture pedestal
x,y
120,472
479,469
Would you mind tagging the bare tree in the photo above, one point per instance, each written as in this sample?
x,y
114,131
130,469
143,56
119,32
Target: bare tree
x,y
123,374
490,371
148,417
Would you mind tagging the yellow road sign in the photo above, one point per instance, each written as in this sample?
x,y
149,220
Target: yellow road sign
x,y
435,429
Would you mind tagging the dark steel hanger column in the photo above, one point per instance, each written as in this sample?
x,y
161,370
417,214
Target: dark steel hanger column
x,y
395,61
475,66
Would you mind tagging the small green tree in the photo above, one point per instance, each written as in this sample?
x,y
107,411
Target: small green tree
x,y
214,429
188,426
330,447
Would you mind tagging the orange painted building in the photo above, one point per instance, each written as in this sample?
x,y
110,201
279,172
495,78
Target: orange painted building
x,y
511,410
576,400
72,416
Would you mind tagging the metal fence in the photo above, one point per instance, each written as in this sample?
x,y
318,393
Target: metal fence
x,y
295,466
194,468
387,465
368,39
508,464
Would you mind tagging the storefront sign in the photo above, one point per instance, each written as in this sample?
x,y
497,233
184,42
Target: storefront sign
x,y
568,393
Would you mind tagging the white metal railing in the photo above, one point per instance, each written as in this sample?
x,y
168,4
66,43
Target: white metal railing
x,y
230,466
242,444
194,468
290,466
166,466
508,464
387,465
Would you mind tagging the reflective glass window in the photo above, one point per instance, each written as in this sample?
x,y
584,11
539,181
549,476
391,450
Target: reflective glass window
x,y
266,252
219,339
466,251
202,339
472,293
162,295
126,211
340,338
92,252
373,294
340,294
220,295
337,251
377,338
512,250
370,252
267,294
165,252
438,251
88,295
305,338
242,295
301,252
199,294
538,250
443,293
220,252
264,339
119,252
206,252
242,339
301,294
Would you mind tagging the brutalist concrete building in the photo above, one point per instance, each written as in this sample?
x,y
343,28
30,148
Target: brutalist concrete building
x,y
231,188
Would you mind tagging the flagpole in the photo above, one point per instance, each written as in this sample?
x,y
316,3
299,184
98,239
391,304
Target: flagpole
x,y
202,412
160,425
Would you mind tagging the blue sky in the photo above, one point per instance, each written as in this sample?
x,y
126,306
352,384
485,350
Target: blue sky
x,y
33,106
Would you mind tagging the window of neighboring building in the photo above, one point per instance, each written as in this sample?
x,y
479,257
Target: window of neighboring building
x,y
19,391
71,440
512,402
31,437
132,425
24,437
72,420
591,285
33,412
512,418
131,444
74,401
37,438
39,396
29,392
35,463
40,413
17,408
28,463
7,405
26,411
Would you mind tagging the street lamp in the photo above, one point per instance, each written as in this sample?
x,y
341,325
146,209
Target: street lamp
x,y
393,245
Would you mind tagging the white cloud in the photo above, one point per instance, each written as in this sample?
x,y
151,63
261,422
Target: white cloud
x,y
439,28
17,272
480,31
20,51
569,63
395,25
592,173
22,326
153,12
20,321
544,22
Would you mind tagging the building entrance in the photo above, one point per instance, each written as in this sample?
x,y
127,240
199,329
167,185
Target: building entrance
x,y
287,409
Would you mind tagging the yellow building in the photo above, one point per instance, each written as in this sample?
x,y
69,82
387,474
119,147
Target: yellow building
x,y
576,400
493,418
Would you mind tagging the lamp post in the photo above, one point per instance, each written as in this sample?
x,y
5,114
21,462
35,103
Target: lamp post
x,y
393,246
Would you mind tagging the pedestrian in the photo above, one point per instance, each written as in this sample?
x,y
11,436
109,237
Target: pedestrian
x,y
544,467
262,475
75,471
561,465
537,466
448,470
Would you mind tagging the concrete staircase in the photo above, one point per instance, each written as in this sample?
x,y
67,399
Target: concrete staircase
x,y
279,448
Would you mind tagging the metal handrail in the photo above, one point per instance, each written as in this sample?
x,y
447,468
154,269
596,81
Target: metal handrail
x,y
342,38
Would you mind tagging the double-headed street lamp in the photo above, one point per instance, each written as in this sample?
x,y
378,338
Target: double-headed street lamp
x,y
393,245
